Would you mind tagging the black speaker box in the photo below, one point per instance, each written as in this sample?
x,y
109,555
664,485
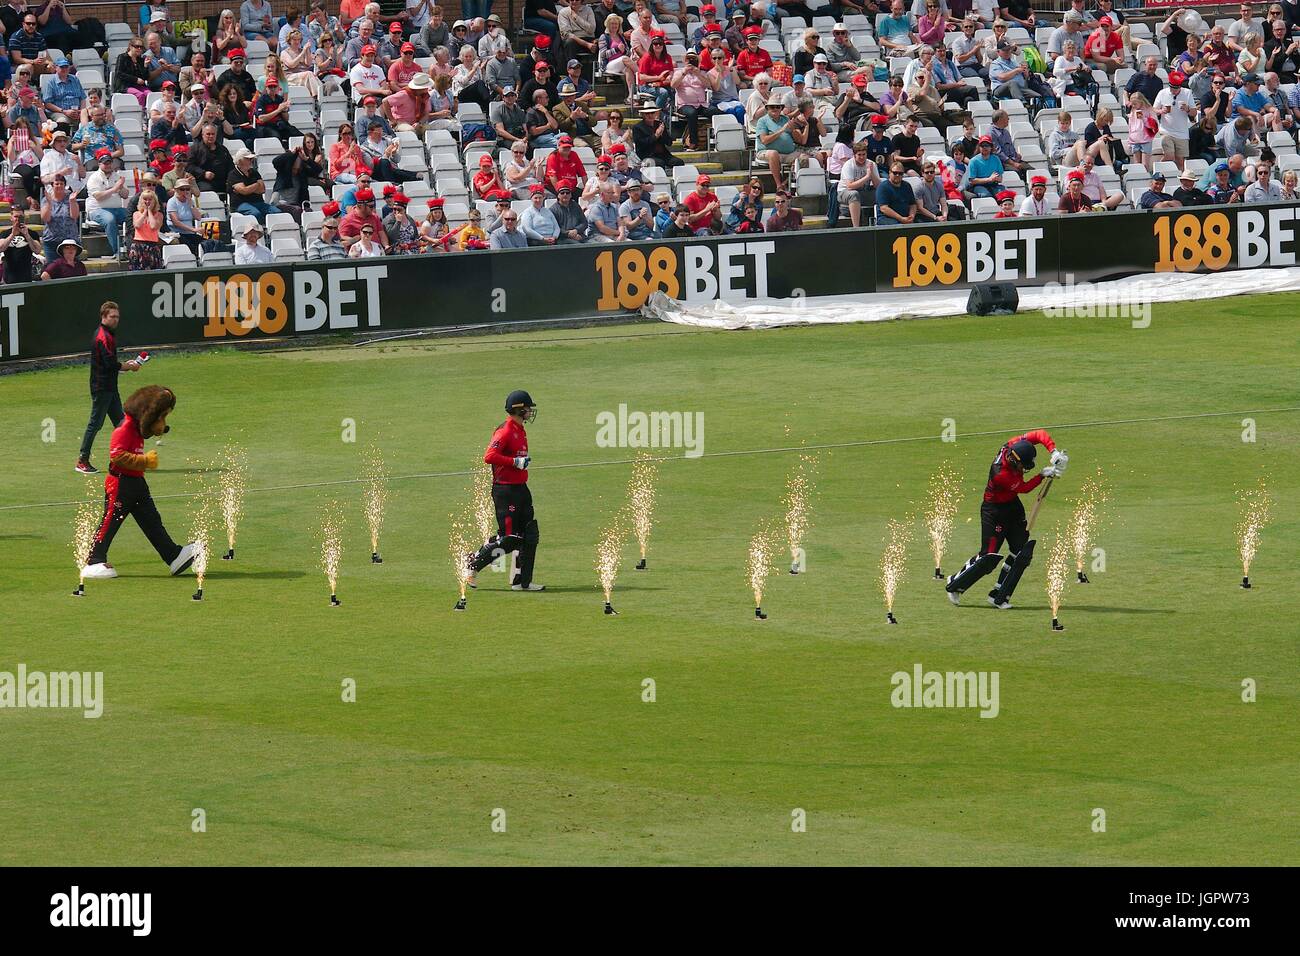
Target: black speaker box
x,y
993,299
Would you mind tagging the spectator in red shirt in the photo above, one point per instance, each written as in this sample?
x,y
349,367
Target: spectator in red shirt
x,y
564,163
1074,200
1104,47
753,60
705,207
655,72
360,215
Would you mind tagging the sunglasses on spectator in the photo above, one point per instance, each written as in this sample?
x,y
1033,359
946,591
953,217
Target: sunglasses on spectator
x,y
367,232
329,225
509,218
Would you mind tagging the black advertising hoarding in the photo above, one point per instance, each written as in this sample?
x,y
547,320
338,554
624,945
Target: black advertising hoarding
x,y
170,307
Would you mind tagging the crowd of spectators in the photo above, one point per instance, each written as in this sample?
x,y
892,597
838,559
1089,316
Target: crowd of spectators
x,y
897,112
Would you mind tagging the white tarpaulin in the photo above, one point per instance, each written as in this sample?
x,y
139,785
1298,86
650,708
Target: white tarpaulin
x,y
1118,298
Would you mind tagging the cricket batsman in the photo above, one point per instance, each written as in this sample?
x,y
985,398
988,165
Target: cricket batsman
x,y
507,453
126,493
1002,517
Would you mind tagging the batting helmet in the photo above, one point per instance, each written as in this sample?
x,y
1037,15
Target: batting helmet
x,y
520,402
1022,452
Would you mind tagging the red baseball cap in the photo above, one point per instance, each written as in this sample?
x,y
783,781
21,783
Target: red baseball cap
x,y
565,140
236,54
408,47
364,195
168,83
272,81
103,153
368,50
543,41
702,179
370,99
752,31
485,160
714,29
708,8
395,27
985,139
879,120
860,81
1105,22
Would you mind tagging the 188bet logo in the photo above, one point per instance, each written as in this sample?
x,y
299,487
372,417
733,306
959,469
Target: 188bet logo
x,y
628,280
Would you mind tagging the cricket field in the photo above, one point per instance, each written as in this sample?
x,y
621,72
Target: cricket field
x,y
1158,728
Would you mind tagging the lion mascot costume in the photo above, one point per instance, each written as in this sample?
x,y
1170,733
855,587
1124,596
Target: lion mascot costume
x,y
126,493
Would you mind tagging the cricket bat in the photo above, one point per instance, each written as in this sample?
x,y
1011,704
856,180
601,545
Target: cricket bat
x,y
1047,486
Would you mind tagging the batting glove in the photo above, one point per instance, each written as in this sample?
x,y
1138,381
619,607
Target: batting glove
x,y
1059,460
522,462
1050,471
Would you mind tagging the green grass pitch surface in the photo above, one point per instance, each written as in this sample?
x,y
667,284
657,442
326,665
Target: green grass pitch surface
x,y
533,703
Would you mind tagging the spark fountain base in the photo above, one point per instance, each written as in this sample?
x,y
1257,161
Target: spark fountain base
x,y
197,595
938,574
641,565
79,590
759,615
1083,578
889,616
1245,583
229,555
334,600
609,608
460,605
794,568
1057,625
375,558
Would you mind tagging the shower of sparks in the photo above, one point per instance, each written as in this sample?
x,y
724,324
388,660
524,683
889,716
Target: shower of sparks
x,y
1086,516
609,553
1256,506
485,514
84,525
234,481
800,485
893,560
641,498
200,534
331,549
941,509
758,565
460,543
1058,569
375,495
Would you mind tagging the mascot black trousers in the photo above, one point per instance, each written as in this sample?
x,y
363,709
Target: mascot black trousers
x,y
128,496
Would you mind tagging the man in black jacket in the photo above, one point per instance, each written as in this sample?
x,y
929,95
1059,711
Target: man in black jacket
x,y
210,162
104,366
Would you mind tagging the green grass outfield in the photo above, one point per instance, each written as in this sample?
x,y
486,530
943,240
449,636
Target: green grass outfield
x,y
532,703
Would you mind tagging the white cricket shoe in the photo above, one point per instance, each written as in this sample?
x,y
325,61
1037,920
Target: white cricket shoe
x,y
954,597
99,571
184,559
1004,606
528,587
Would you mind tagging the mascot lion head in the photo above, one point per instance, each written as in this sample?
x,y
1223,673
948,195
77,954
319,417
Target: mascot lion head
x,y
150,406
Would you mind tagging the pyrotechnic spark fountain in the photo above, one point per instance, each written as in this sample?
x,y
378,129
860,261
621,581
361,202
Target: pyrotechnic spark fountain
x,y
1084,520
759,567
893,563
234,481
375,497
331,549
200,534
1256,509
1058,570
941,511
84,526
609,554
641,501
485,514
800,485
459,543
